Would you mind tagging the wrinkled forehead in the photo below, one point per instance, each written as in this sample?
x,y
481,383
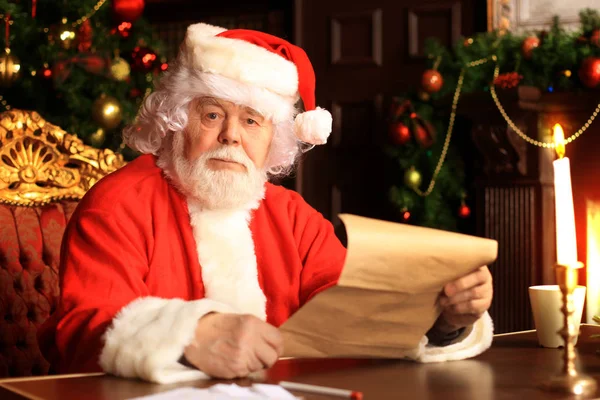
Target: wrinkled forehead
x,y
205,101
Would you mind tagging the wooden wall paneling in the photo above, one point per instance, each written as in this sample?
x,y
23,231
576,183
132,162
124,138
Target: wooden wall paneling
x,y
442,21
356,38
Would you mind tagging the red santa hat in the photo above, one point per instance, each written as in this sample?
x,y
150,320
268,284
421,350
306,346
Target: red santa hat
x,y
258,70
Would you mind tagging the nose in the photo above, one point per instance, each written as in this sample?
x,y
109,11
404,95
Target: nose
x,y
230,134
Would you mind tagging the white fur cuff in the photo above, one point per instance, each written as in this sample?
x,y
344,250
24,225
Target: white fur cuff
x,y
313,126
475,343
148,336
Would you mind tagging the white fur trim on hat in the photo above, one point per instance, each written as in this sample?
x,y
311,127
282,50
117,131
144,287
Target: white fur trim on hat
x,y
238,60
313,126
202,29
275,107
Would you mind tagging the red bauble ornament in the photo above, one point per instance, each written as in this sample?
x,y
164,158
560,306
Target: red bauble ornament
x,y
405,215
528,45
432,81
464,211
589,72
127,10
46,73
143,59
595,37
399,133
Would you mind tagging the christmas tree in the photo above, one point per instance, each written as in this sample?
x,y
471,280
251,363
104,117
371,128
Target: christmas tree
x,y
430,188
82,65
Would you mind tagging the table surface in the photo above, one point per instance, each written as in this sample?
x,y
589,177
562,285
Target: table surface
x,y
515,367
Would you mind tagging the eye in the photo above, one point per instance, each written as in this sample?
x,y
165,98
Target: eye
x,y
250,121
213,116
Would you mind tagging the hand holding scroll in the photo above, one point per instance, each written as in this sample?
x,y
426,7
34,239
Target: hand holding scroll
x,y
465,299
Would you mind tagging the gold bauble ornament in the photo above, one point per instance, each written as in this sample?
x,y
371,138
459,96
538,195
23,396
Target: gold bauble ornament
x,y
97,138
106,111
10,67
66,35
119,69
412,178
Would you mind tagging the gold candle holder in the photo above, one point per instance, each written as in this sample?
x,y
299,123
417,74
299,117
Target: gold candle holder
x,y
570,380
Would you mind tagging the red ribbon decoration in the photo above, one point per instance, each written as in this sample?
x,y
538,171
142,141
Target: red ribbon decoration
x,y
6,30
423,131
91,63
33,8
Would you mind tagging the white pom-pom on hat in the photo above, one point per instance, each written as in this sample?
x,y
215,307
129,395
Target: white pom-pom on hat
x,y
313,126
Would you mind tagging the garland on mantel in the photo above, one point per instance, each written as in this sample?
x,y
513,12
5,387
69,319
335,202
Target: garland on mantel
x,y
553,61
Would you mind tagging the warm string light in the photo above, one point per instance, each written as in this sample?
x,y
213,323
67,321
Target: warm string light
x,y
515,128
455,99
4,103
89,14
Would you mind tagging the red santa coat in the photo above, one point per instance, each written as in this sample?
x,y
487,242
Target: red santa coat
x,y
141,264
131,237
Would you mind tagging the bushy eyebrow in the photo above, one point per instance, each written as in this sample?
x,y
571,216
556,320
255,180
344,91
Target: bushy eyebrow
x,y
253,112
209,101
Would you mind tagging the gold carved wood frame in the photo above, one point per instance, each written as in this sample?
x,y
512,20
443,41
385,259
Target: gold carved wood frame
x,y
533,15
41,163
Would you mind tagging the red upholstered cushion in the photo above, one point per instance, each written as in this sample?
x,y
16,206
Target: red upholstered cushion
x,y
30,241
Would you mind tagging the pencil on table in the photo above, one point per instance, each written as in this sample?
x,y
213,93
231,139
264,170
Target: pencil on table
x,y
303,387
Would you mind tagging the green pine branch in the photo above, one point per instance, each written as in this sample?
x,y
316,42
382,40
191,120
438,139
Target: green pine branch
x,y
68,103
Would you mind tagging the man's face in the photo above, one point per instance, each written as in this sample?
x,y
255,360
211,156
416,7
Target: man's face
x,y
214,123
219,159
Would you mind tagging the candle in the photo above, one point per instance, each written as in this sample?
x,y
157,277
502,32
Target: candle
x,y
566,243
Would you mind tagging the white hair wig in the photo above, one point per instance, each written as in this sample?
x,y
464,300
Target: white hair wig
x,y
165,112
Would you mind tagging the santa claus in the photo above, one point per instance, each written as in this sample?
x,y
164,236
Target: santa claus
x,y
183,264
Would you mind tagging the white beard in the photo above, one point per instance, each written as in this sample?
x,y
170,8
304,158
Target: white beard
x,y
210,189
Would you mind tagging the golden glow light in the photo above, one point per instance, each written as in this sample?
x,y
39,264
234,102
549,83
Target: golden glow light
x,y
64,35
559,139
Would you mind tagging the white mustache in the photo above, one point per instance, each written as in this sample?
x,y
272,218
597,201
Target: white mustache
x,y
228,153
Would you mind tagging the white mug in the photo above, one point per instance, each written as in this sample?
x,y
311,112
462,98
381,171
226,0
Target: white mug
x,y
546,302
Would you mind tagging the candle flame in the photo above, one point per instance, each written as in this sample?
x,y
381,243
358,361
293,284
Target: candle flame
x,y
559,140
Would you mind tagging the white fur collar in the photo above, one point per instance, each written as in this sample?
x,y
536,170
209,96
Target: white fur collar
x,y
226,254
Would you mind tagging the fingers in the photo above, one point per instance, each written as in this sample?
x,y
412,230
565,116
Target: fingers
x,y
233,346
273,337
476,278
471,307
266,354
477,292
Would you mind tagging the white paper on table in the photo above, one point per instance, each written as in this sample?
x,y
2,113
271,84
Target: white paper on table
x,y
224,392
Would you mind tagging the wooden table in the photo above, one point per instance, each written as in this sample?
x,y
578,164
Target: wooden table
x,y
513,368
